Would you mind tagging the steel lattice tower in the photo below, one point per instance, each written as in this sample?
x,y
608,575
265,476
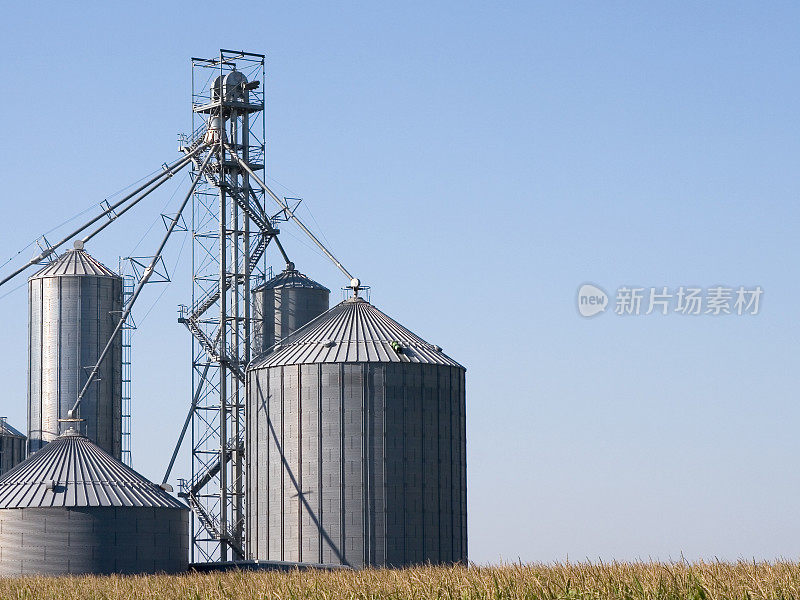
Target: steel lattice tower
x,y
230,232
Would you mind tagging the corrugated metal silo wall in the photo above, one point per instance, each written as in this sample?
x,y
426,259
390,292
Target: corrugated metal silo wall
x,y
12,452
99,540
281,311
357,464
70,322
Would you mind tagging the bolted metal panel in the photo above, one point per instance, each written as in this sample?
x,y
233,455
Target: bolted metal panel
x,y
354,485
432,514
278,472
310,480
445,454
74,305
411,397
332,465
358,464
376,476
12,446
284,304
394,461
292,478
93,540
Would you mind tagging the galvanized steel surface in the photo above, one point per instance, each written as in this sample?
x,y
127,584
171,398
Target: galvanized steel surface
x,y
356,451
353,331
94,540
71,508
357,464
291,278
6,430
12,446
71,471
284,304
74,262
74,304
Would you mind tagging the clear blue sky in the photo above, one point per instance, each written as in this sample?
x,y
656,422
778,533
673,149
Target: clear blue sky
x,y
475,163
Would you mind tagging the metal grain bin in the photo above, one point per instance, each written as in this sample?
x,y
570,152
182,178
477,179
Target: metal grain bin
x,y
284,304
356,446
74,304
71,508
12,446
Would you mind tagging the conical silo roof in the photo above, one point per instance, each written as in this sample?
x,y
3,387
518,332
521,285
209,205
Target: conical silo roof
x,y
7,430
353,331
75,262
291,278
71,471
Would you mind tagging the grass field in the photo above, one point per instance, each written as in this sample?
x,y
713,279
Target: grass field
x,y
579,580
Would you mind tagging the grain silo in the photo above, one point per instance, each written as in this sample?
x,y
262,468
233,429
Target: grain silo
x,y
356,445
12,446
74,304
71,508
284,304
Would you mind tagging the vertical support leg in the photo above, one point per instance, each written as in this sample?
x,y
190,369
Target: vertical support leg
x,y
223,371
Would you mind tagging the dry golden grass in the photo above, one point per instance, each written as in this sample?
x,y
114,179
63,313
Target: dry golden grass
x,y
569,581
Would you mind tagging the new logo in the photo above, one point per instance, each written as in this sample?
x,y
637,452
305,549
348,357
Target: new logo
x,y
591,300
